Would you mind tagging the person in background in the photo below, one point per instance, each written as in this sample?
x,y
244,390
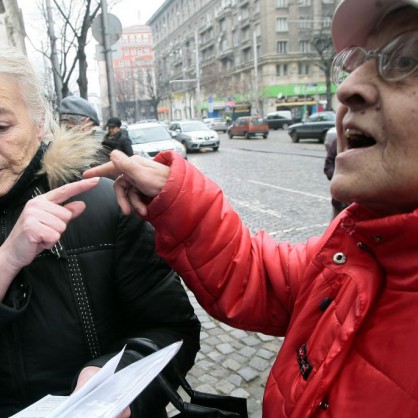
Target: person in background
x,y
346,302
117,138
329,168
76,111
79,280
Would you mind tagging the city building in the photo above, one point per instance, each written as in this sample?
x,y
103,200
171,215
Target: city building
x,y
12,29
134,74
242,56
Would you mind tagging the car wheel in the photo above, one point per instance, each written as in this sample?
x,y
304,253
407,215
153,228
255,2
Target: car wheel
x,y
285,126
265,135
294,136
215,148
322,139
247,135
230,135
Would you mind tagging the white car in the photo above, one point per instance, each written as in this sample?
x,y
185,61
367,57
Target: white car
x,y
195,135
150,138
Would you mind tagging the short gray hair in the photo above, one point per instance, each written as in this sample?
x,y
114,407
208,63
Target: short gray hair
x,y
16,65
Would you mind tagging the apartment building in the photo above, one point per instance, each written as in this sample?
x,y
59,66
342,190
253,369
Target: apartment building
x,y
238,56
134,75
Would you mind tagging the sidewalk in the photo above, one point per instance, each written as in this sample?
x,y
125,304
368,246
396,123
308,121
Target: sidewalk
x,y
232,361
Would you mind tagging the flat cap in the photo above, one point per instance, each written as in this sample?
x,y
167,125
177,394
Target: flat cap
x,y
75,105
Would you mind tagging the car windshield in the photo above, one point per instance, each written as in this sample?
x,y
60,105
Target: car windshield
x,y
258,121
148,134
194,126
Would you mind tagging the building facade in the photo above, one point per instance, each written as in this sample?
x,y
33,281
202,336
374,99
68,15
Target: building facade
x,y
12,29
242,56
133,63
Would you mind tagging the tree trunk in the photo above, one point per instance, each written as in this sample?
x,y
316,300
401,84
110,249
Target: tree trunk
x,y
82,70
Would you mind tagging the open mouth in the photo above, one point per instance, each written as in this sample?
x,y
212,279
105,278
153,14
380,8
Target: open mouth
x,y
358,139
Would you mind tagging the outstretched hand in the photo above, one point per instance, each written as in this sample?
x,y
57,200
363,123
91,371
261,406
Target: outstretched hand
x,y
138,179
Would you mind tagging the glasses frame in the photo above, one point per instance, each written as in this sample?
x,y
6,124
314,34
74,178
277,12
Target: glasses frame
x,y
379,54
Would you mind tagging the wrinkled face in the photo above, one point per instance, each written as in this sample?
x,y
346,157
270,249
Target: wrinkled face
x,y
20,137
377,125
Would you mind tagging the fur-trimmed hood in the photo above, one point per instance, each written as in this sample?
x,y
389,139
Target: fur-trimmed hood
x,y
69,153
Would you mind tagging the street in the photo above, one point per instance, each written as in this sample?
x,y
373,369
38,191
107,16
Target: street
x,y
272,183
277,186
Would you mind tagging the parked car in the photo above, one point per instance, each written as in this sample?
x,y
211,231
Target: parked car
x,y
280,119
314,127
330,136
249,126
150,138
194,135
217,124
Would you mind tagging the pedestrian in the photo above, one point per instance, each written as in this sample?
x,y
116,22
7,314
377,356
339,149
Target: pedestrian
x,y
347,302
76,111
329,168
117,138
78,279
228,119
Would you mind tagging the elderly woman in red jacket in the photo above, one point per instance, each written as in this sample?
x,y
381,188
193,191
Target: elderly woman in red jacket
x,y
347,302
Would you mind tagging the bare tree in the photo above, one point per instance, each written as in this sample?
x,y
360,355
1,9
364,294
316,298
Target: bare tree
x,y
77,16
322,44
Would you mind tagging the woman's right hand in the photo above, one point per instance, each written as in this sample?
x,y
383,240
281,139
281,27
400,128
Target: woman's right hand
x,y
39,227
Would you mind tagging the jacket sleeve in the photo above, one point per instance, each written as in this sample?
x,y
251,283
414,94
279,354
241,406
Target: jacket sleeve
x,y
247,282
155,306
152,302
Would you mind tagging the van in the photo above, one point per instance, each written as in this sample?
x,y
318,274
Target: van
x,y
248,126
279,119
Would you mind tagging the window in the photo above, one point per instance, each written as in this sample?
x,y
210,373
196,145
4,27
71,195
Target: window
x,y
305,22
282,47
281,70
304,69
281,3
281,24
304,46
304,3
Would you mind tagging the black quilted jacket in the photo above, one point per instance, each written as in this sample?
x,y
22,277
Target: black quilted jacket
x,y
104,266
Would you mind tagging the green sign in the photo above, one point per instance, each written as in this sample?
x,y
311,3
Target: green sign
x,y
289,90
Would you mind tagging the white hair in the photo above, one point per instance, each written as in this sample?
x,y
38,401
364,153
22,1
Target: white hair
x,y
16,65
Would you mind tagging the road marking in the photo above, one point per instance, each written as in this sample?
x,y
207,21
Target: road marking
x,y
297,229
290,190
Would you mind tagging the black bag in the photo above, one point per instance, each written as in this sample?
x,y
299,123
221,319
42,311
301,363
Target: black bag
x,y
201,404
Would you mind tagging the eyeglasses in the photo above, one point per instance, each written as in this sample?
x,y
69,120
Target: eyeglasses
x,y
395,61
72,120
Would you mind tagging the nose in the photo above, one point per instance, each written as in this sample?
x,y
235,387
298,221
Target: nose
x,y
359,90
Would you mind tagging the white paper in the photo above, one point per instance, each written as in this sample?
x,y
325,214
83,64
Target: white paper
x,y
106,394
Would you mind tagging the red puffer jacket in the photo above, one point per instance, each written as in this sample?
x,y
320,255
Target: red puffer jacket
x,y
347,303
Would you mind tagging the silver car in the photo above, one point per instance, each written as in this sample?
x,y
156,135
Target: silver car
x,y
194,135
216,124
150,138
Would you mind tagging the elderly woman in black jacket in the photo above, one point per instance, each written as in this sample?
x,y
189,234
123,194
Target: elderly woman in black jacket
x,y
78,279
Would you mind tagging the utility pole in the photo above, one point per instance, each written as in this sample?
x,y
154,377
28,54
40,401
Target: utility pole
x,y
54,54
109,63
197,72
257,101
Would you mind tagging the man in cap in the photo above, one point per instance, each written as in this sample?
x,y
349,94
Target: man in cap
x,y
347,302
117,138
76,111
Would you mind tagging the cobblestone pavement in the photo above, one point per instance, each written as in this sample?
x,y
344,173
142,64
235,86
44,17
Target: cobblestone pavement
x,y
277,186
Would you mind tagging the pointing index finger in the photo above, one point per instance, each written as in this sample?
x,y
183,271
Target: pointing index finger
x,y
63,193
